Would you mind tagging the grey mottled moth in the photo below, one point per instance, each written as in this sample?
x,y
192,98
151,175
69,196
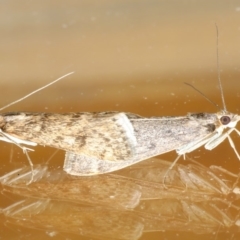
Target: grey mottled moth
x,y
103,142
107,141
146,137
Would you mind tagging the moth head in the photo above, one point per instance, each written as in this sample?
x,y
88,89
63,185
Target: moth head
x,y
227,119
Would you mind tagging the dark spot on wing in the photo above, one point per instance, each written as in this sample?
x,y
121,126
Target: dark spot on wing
x,y
81,140
76,115
198,115
210,127
107,140
59,138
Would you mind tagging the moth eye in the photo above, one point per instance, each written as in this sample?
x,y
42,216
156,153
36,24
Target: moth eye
x,y
225,120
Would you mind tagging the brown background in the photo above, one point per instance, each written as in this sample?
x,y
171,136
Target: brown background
x,y
131,56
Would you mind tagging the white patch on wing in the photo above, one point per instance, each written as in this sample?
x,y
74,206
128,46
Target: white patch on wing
x,y
69,140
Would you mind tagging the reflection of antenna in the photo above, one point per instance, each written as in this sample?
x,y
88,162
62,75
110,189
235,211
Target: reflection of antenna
x,y
218,70
39,89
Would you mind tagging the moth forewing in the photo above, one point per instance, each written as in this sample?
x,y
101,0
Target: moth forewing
x,y
154,136
106,135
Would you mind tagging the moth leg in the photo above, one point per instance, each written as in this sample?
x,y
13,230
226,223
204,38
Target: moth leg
x,y
11,139
8,138
233,146
170,168
196,144
238,132
215,142
232,143
189,148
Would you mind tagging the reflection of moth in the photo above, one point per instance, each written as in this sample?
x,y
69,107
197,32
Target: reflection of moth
x,y
104,222
126,188
128,203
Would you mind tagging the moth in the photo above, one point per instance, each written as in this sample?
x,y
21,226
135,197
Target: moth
x,y
101,142
107,141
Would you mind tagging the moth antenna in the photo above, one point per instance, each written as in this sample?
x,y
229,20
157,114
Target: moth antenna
x,y
208,99
218,71
219,80
39,89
